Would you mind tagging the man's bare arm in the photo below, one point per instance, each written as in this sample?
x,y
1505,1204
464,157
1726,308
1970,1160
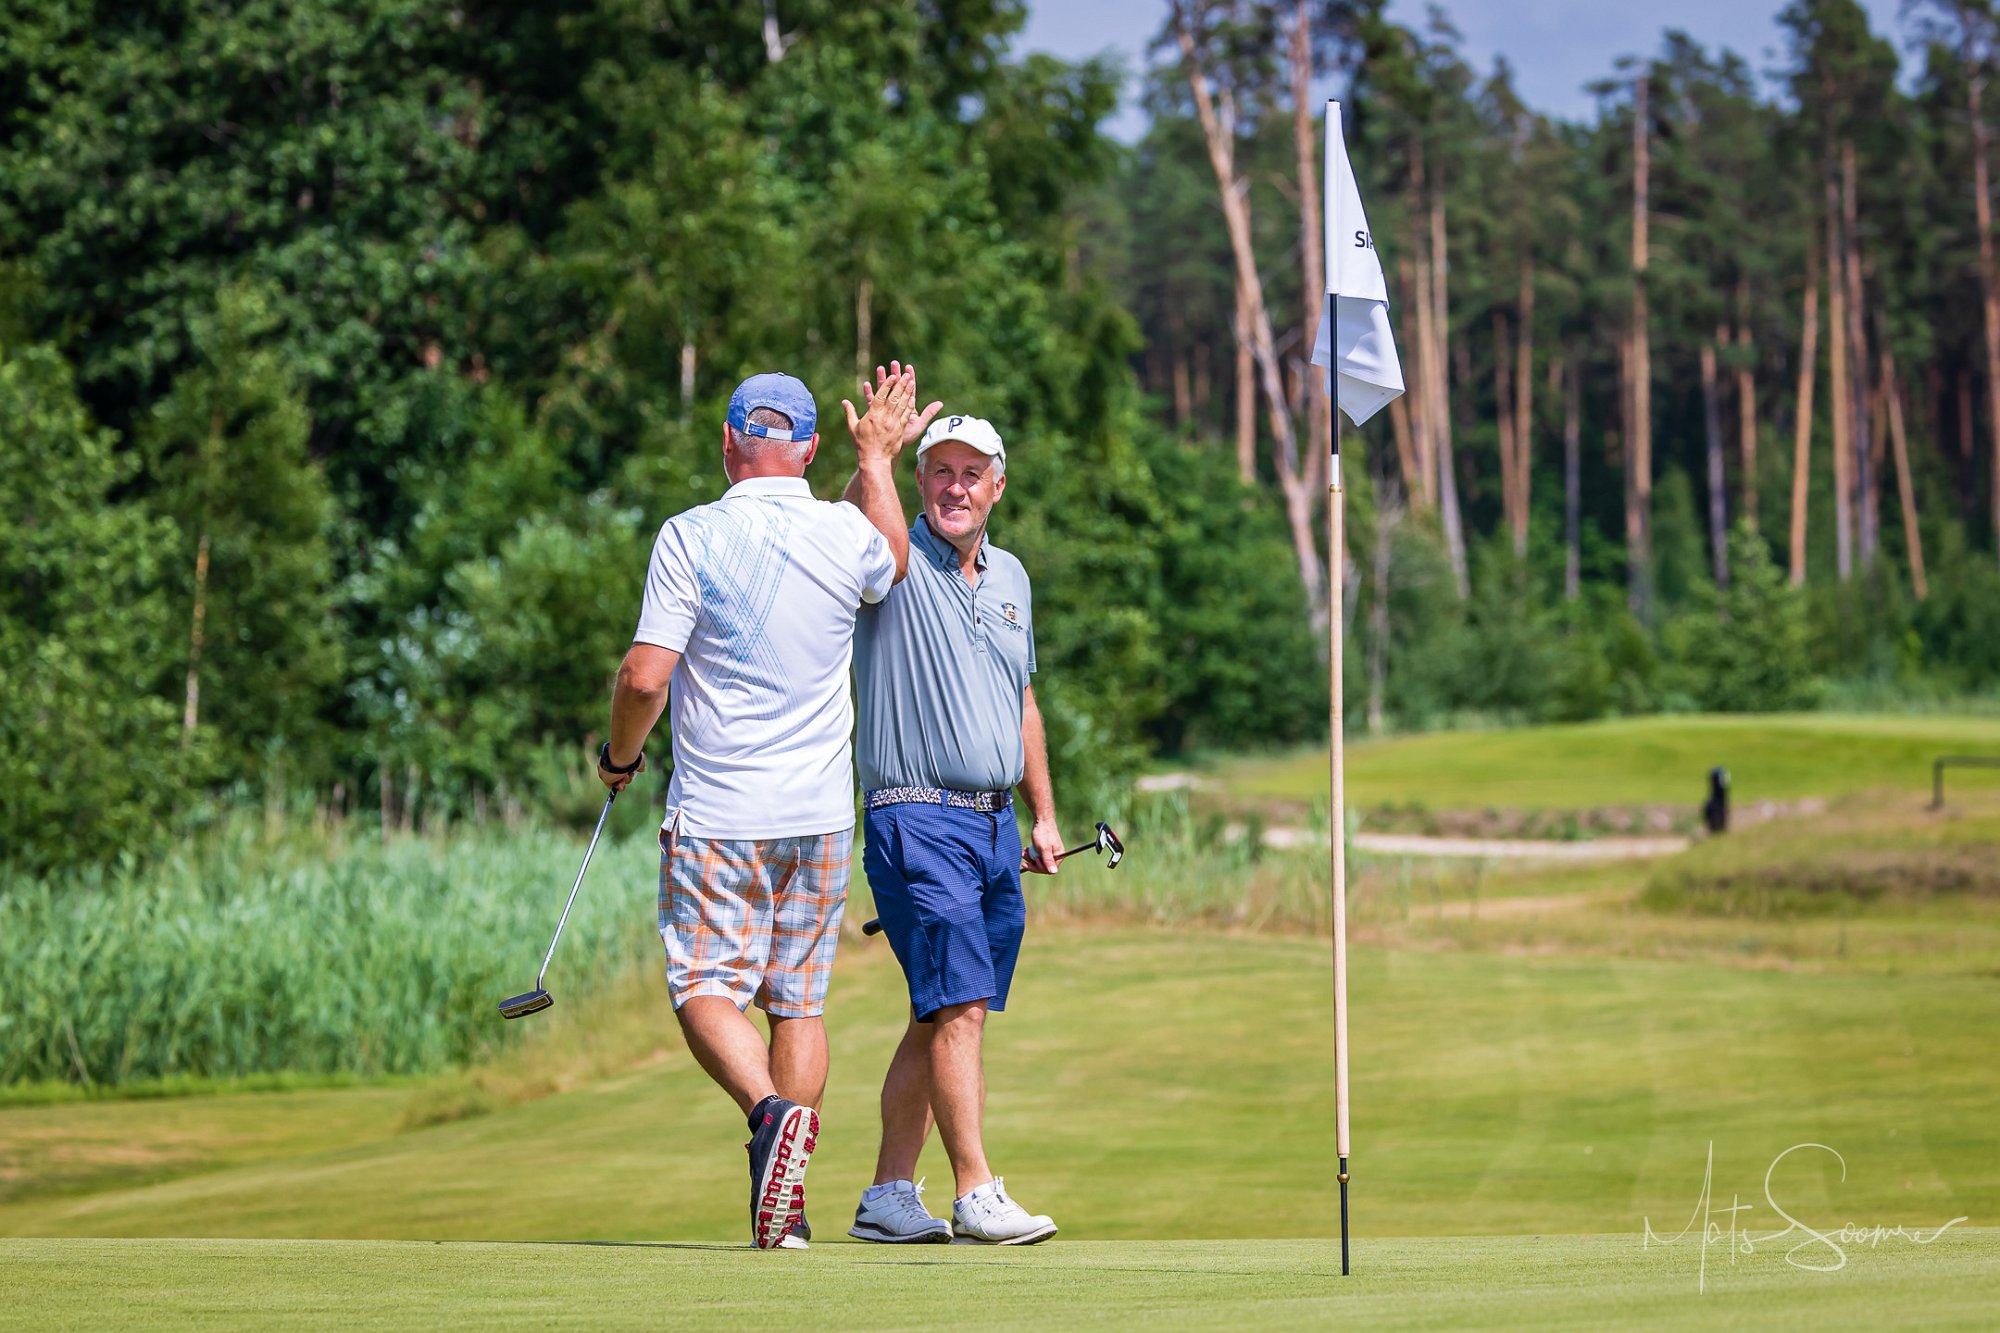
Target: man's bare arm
x,y
1045,840
892,424
872,490
637,701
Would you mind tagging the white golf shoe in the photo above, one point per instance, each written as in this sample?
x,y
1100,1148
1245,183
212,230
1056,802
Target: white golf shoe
x,y
988,1217
896,1216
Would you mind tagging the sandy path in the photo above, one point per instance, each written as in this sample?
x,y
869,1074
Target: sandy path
x,y
1525,849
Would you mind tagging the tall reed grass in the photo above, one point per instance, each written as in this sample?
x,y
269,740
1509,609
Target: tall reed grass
x,y
251,951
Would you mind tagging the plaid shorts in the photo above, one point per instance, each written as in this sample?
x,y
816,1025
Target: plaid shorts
x,y
755,920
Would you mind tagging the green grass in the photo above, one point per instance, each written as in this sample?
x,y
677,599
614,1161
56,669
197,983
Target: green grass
x,y
1637,761
253,951
1884,855
1169,1085
1589,1282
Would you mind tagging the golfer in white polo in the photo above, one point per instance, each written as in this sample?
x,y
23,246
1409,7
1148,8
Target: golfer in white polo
x,y
747,626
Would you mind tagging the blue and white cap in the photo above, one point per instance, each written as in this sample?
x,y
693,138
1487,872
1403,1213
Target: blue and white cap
x,y
780,393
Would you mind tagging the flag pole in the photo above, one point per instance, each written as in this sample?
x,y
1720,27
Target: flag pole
x,y
1336,569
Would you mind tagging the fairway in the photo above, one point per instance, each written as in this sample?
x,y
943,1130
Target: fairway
x,y
1146,1085
1516,1282
1634,761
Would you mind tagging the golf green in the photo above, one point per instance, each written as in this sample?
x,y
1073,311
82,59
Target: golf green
x,y
1488,1282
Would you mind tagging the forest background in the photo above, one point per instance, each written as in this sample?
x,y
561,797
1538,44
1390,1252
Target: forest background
x,y
350,358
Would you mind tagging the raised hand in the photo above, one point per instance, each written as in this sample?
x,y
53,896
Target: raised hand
x,y
880,435
922,420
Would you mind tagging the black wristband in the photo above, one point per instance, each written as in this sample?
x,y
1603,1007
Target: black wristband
x,y
604,760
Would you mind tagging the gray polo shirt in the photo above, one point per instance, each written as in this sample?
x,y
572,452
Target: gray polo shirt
x,y
939,669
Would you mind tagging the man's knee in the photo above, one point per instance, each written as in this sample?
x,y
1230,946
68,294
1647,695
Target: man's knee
x,y
959,1022
796,1029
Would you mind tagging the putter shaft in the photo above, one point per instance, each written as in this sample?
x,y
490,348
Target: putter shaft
x,y
597,833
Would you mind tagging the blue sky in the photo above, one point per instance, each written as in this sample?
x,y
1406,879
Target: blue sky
x,y
1555,46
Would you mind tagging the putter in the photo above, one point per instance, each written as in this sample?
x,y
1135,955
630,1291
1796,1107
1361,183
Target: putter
x,y
1106,840
536,1000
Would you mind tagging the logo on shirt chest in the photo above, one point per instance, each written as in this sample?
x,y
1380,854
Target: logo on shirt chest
x,y
1011,614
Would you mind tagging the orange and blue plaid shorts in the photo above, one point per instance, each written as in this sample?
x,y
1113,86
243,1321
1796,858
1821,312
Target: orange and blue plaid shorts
x,y
756,920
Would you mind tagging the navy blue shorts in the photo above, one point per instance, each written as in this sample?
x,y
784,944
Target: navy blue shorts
x,y
947,885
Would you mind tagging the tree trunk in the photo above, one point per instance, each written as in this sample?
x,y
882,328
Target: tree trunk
x,y
191,711
1454,530
1746,417
1183,389
1201,392
1312,241
1219,132
1913,539
1867,510
1424,438
1406,459
1878,422
1524,414
864,300
1246,395
1802,427
1623,441
687,380
1503,422
1639,440
1711,420
1842,405
1982,203
1386,516
1965,416
1572,478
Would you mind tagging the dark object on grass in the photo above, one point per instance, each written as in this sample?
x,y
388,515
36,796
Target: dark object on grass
x,y
1106,840
1715,812
536,1000
1945,761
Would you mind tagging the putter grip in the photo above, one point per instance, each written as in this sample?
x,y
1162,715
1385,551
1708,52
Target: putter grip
x,y
872,926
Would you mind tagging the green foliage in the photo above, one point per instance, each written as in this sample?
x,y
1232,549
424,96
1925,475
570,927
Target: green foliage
x,y
1745,649
1241,668
89,751
422,319
242,955
225,453
506,578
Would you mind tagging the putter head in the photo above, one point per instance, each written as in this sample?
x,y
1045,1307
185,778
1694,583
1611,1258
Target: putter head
x,y
519,1006
1108,841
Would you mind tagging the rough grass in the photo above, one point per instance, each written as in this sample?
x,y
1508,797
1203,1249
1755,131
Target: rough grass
x,y
1865,852
1588,1282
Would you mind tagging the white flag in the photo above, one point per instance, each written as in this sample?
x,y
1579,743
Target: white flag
x,y
1367,377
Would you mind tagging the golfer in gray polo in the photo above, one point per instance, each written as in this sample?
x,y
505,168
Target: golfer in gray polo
x,y
946,727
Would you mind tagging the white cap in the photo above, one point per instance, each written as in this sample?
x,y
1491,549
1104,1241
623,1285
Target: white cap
x,y
975,431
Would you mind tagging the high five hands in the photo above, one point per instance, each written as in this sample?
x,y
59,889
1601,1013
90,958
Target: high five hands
x,y
892,422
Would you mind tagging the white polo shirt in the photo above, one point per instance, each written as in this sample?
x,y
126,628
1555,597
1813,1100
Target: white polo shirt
x,y
758,593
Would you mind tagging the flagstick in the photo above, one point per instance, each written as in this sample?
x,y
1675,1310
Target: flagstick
x,y
1336,563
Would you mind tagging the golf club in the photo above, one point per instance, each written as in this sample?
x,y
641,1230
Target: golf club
x,y
1106,840
536,1000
